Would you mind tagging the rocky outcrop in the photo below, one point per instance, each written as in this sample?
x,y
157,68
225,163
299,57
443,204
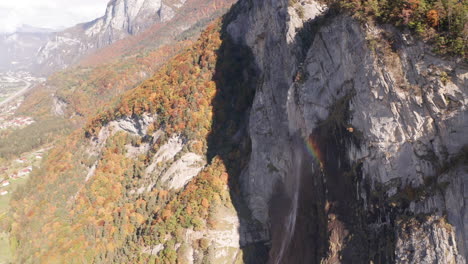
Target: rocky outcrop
x,y
375,124
429,241
59,106
136,127
172,165
183,170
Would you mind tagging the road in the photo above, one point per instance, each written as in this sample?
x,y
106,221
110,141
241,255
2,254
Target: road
x,y
17,94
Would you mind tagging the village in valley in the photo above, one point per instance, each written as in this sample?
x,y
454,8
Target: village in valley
x,y
12,87
13,174
9,121
17,171
21,174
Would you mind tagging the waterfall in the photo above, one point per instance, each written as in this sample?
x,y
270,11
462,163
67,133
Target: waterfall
x,y
293,183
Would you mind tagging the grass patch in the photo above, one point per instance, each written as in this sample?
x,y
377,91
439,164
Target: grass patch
x,y
5,200
5,253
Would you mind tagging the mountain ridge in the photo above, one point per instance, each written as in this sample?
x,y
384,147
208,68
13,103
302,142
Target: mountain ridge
x,y
122,18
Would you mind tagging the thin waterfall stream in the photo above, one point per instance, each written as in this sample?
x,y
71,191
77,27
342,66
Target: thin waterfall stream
x,y
294,189
297,208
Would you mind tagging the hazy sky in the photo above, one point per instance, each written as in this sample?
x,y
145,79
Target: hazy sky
x,y
48,13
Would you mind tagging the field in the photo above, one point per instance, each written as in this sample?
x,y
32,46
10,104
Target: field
x,y
4,200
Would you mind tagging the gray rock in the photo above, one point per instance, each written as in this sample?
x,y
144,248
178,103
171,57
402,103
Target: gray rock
x,y
432,241
399,108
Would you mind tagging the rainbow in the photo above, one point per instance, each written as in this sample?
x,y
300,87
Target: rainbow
x,y
314,150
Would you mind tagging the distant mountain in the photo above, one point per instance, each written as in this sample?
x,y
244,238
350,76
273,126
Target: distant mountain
x,y
32,29
123,18
18,50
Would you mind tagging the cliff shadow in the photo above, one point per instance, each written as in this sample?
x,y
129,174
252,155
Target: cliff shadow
x,y
236,78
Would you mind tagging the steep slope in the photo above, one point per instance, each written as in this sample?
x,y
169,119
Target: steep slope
x,y
290,132
122,19
144,182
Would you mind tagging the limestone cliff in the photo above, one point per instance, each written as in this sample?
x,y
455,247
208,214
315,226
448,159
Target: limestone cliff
x,y
361,132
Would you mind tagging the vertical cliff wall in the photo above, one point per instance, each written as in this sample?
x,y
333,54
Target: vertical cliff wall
x,y
359,139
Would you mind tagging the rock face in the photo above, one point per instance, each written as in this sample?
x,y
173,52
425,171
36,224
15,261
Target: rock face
x,y
171,166
358,130
123,18
431,241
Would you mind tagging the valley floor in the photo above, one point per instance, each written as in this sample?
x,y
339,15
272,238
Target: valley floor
x,y
14,85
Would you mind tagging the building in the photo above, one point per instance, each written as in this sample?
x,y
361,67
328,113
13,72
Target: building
x,y
25,171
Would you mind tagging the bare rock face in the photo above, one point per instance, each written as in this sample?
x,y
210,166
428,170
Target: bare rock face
x,y
59,106
377,126
429,241
123,18
171,166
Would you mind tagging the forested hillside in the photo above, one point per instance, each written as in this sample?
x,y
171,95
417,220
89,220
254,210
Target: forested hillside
x,y
85,199
79,91
70,96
